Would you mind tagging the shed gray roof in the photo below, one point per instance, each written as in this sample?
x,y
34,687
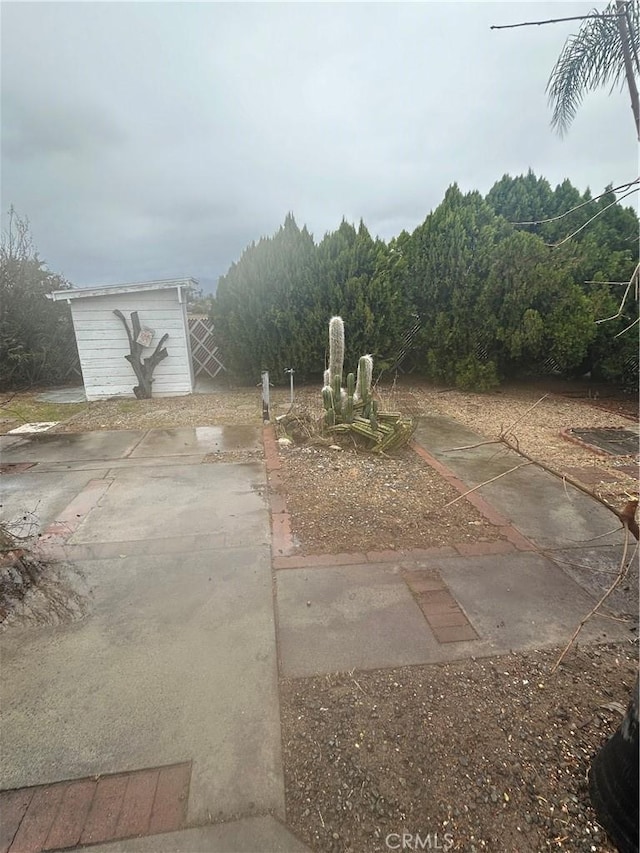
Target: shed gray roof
x,y
110,289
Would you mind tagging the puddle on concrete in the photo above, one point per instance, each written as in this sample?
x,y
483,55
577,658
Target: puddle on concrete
x,y
237,437
205,439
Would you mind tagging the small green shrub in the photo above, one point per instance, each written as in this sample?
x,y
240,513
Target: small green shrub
x,y
474,375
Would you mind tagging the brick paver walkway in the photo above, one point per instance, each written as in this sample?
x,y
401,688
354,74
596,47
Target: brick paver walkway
x,y
87,811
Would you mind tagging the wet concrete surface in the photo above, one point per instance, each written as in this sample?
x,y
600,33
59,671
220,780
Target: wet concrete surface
x,y
175,661
343,618
29,501
193,440
551,513
364,617
72,447
153,503
596,568
522,601
75,448
175,657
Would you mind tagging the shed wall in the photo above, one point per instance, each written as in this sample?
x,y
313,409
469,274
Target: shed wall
x,y
103,344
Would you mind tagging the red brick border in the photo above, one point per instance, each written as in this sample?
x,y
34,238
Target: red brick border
x,y
282,544
15,467
564,433
567,434
51,541
446,618
484,507
98,809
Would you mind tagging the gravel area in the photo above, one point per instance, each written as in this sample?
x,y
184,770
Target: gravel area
x,y
343,500
490,754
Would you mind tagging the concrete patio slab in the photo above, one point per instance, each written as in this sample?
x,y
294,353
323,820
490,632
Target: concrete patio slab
x,y
522,601
175,662
358,617
595,569
159,502
73,447
30,493
34,427
250,835
125,462
7,441
193,440
547,511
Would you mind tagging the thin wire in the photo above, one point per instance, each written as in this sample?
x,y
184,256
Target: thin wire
x,y
582,227
577,207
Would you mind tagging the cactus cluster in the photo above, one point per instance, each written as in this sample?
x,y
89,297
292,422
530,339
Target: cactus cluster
x,y
353,409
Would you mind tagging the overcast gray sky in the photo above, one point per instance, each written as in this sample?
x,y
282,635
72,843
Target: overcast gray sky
x,y
152,140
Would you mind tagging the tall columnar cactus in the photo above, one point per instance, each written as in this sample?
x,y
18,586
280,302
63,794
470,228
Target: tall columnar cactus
x,y
363,382
327,400
354,409
337,395
349,403
336,349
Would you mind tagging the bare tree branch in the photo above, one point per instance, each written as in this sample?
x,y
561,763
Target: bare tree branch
x,y
589,221
624,567
637,320
635,277
486,483
578,206
552,21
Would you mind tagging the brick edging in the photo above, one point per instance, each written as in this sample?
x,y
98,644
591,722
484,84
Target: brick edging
x,y
51,541
447,619
282,544
96,809
574,439
511,533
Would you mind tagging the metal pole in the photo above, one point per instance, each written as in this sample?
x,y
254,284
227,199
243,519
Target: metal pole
x,y
290,371
265,395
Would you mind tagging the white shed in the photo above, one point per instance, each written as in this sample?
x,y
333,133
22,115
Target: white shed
x,y
103,343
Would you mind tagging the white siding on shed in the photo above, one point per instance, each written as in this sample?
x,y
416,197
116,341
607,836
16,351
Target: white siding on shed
x,y
103,344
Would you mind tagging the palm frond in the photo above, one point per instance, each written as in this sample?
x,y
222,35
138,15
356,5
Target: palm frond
x,y
590,59
633,25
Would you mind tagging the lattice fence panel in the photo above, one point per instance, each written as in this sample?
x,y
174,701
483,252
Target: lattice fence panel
x,y
204,351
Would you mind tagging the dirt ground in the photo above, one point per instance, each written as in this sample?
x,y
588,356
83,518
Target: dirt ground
x,y
342,500
487,755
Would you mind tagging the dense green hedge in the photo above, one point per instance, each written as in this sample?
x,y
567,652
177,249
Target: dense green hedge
x,y
495,296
